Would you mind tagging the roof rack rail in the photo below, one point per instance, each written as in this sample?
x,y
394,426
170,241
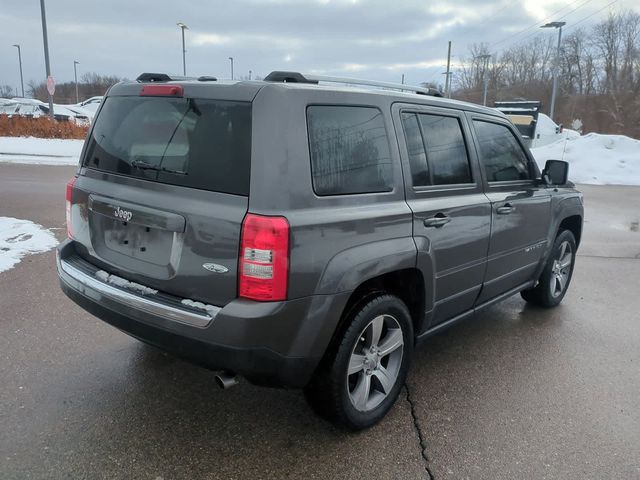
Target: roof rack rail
x,y
295,77
159,77
288,77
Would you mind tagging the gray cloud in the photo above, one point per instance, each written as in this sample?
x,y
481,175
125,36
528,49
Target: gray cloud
x,y
377,39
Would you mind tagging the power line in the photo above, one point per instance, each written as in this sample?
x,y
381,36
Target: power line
x,y
538,23
573,25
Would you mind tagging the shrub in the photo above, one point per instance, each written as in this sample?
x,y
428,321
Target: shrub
x,y
41,127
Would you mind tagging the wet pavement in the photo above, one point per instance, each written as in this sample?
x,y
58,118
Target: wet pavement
x,y
515,392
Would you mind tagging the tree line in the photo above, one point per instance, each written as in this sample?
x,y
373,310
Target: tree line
x,y
90,84
598,74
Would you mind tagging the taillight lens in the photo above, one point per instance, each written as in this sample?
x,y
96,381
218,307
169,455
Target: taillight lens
x,y
264,258
68,205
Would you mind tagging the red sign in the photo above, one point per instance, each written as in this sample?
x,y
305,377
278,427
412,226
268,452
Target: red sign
x,y
51,85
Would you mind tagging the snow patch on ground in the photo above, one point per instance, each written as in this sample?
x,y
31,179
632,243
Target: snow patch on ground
x,y
43,151
596,159
124,283
19,238
210,309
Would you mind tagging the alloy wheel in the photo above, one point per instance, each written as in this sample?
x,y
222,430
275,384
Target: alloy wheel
x,y
561,269
375,363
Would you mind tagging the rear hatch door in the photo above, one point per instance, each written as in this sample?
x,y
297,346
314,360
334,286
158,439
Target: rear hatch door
x,y
163,192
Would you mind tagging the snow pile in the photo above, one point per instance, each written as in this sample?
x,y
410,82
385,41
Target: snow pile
x,y
596,159
124,283
19,238
45,151
210,309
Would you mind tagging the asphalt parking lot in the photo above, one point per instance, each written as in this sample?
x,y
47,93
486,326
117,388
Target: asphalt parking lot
x,y
516,392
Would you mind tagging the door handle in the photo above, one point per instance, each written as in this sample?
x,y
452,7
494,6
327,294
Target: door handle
x,y
506,209
437,221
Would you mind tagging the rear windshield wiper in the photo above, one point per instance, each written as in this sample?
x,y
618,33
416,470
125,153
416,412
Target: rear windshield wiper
x,y
142,165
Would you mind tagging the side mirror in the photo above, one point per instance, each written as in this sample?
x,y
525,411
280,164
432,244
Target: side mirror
x,y
556,172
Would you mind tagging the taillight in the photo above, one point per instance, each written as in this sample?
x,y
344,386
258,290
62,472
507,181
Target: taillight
x,y
264,258
68,205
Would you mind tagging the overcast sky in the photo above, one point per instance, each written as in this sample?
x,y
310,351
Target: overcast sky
x,y
358,38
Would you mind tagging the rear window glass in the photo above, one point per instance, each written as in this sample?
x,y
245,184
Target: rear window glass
x,y
349,150
203,144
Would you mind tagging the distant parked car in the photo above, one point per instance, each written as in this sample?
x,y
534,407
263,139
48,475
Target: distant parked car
x,y
33,108
91,104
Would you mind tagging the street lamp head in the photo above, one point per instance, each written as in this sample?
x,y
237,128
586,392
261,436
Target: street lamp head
x,y
231,58
182,25
553,25
15,45
75,62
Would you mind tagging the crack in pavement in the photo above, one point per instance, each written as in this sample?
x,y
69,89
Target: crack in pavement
x,y
421,440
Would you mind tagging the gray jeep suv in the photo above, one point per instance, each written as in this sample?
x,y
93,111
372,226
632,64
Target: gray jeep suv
x,y
307,235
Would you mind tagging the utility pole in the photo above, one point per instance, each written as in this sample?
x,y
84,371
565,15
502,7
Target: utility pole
x,y
559,26
447,82
46,53
183,27
231,58
20,63
75,75
485,81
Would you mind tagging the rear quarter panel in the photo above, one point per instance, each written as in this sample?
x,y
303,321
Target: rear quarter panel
x,y
337,242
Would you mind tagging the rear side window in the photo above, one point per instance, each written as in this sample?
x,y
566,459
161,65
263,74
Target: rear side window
x,y
500,153
204,144
437,150
349,150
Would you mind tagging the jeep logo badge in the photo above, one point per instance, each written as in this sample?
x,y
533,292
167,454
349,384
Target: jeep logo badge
x,y
215,268
122,214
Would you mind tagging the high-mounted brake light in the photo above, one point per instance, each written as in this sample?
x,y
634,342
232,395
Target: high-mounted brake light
x,y
162,91
69,196
263,266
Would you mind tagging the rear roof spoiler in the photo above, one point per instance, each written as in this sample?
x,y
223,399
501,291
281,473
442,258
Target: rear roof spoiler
x,y
163,77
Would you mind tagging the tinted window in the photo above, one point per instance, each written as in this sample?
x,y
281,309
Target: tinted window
x,y
500,153
415,149
446,153
349,150
203,144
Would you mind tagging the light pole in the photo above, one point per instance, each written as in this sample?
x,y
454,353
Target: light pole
x,y
485,58
559,26
75,75
20,63
249,74
231,58
46,53
183,27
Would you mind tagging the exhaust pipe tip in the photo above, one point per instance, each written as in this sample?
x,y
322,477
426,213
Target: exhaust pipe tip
x,y
226,380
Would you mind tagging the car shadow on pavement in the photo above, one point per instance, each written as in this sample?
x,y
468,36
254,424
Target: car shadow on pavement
x,y
154,410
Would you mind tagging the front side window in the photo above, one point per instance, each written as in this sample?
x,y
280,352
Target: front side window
x,y
500,153
349,150
437,150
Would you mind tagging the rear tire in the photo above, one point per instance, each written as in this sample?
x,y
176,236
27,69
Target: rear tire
x,y
555,278
360,378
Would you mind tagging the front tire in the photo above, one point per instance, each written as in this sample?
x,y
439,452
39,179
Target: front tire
x,y
556,276
361,377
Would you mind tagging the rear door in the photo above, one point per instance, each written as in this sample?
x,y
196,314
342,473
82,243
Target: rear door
x,y
163,192
451,214
520,207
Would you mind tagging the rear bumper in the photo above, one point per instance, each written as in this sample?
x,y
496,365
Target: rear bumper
x,y
270,343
